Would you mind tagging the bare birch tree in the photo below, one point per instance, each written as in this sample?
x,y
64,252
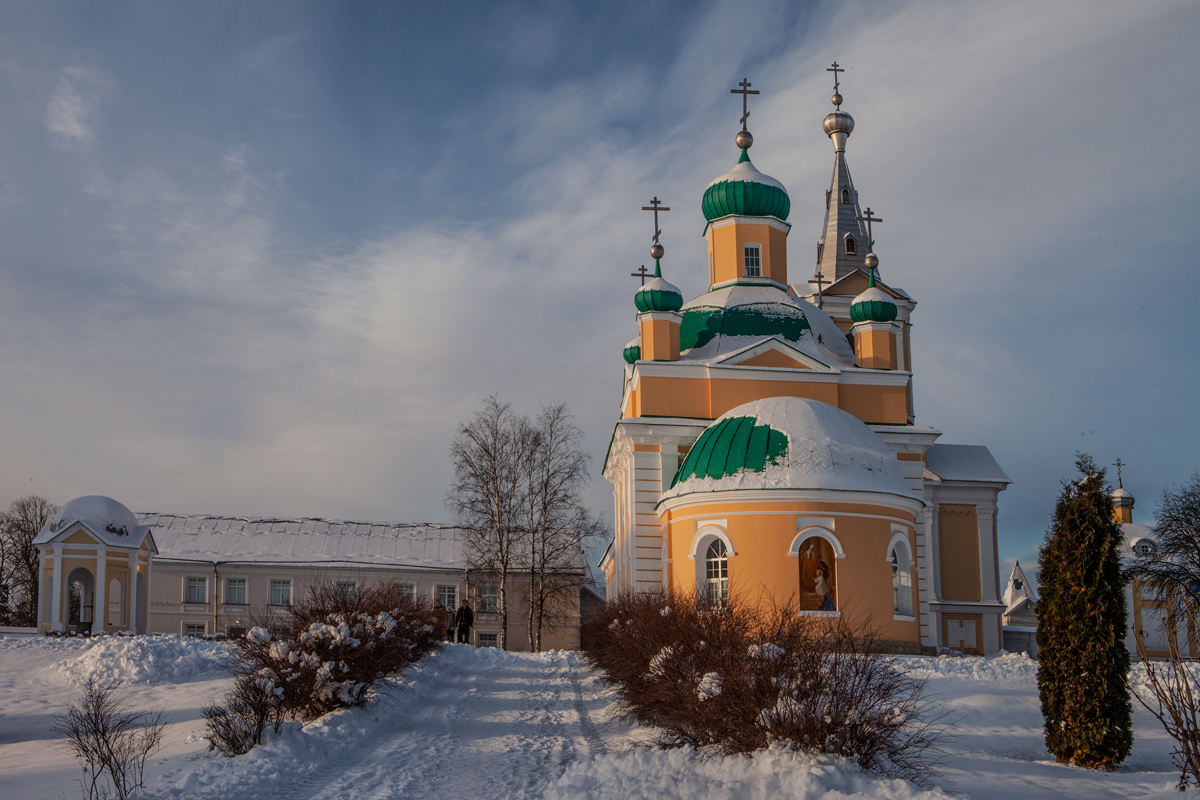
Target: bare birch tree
x,y
19,526
557,522
487,498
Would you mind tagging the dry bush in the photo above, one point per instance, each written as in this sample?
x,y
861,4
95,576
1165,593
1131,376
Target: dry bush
x,y
111,742
1172,695
331,651
728,679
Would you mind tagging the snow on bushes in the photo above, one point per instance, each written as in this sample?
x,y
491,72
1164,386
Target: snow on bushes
x,y
331,652
146,660
729,679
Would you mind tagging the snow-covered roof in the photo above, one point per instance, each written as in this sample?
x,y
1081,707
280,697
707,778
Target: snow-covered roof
x,y
745,171
964,462
827,448
105,519
774,313
1134,534
273,540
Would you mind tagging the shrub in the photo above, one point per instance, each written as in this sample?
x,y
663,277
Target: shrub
x,y
111,742
727,679
1082,658
333,651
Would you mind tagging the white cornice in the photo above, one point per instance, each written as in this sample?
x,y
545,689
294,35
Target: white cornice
x,y
910,504
725,222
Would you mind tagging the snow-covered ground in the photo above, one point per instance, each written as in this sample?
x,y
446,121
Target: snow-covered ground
x,y
487,724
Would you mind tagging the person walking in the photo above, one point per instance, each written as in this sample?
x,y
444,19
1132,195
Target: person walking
x,y
465,619
447,620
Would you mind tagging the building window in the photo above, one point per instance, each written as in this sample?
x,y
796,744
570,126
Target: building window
x,y
486,639
407,591
193,629
845,195
901,583
1144,548
851,247
820,251
235,632
197,590
235,591
489,599
753,261
281,592
347,591
448,595
818,583
716,573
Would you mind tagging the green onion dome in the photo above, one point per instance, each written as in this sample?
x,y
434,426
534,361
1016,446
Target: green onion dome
x,y
789,443
873,305
658,295
739,315
746,192
633,351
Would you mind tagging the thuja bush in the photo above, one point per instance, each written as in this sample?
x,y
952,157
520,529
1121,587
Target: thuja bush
x,y
731,679
332,651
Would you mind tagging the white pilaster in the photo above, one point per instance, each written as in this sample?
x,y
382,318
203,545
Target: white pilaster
x,y
131,606
99,606
56,588
41,602
989,592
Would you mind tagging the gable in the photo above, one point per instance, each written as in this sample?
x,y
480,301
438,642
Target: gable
x,y
81,536
773,358
856,283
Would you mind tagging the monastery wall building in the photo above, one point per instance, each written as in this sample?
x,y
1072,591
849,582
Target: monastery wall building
x,y
768,444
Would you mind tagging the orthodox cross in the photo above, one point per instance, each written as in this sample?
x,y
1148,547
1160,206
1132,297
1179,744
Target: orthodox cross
x,y
656,206
744,92
835,69
1118,464
869,217
820,277
643,273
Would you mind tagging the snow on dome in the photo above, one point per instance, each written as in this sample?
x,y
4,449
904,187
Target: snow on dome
x,y
1122,493
732,317
825,448
746,171
104,517
658,295
873,305
746,192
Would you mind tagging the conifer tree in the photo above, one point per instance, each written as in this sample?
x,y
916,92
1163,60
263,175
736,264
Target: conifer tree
x,y
1083,663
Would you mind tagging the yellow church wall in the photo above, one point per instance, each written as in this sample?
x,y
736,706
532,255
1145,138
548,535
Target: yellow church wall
x,y
958,551
762,572
660,340
875,350
80,537
673,397
727,394
874,404
726,246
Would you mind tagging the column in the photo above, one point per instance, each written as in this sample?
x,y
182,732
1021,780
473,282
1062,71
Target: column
x,y
988,590
131,606
41,602
56,587
99,606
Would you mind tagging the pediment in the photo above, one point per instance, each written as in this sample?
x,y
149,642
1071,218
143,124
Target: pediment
x,y
774,353
81,536
856,283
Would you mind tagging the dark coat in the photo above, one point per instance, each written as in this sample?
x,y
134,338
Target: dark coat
x,y
465,618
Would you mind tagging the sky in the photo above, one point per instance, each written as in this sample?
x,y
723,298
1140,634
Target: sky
x,y
263,259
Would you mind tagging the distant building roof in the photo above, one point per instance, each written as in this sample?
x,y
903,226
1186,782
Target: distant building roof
x,y
964,462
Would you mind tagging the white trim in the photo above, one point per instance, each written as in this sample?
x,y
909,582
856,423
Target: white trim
x,y
900,536
711,532
745,266
828,523
724,222
818,613
903,617
912,505
773,343
805,534
668,316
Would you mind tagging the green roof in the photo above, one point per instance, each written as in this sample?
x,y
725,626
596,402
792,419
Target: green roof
x,y
730,446
701,324
746,192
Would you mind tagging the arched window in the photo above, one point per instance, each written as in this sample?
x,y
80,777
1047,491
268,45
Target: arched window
x,y
901,582
818,581
753,261
845,195
851,247
716,573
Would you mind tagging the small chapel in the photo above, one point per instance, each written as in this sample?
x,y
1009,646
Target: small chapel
x,y
768,444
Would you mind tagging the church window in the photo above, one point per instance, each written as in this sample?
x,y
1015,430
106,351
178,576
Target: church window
x,y
1144,548
235,591
716,573
489,600
196,591
818,581
820,251
845,195
851,247
828,192
753,261
281,592
901,583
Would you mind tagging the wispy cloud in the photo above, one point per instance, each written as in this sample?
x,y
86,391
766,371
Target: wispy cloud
x,y
73,108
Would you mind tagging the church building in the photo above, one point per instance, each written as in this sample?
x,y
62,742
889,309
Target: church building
x,y
768,444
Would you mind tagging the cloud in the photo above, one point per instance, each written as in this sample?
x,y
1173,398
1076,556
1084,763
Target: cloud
x,y
73,108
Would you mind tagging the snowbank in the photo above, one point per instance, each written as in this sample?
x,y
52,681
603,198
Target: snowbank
x,y
149,660
1007,669
670,774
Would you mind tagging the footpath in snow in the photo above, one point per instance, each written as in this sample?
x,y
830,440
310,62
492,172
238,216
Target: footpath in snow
x,y
487,724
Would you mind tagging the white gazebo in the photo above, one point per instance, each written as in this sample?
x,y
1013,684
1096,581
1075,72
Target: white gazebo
x,y
94,569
